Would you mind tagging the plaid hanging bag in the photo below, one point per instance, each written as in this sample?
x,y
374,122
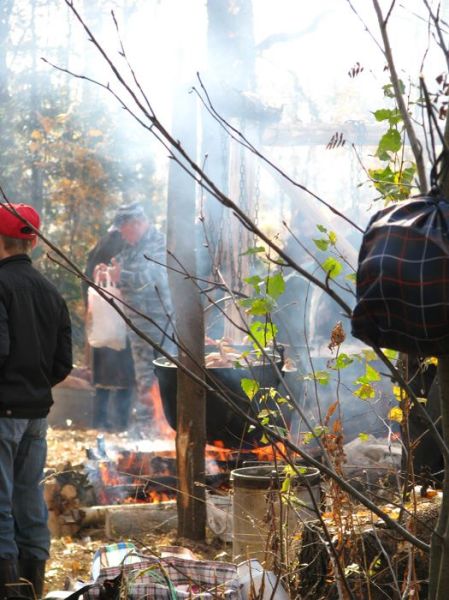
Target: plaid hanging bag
x,y
403,278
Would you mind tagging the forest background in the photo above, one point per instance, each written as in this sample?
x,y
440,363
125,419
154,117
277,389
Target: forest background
x,y
72,152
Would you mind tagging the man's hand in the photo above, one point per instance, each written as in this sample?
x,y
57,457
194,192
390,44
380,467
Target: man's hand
x,y
114,271
100,274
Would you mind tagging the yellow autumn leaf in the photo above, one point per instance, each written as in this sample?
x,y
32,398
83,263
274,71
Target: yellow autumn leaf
x,y
432,360
398,392
396,414
36,134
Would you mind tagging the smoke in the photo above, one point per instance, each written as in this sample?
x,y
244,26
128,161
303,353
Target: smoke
x,y
279,72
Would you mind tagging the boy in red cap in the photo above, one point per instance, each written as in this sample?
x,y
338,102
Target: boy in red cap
x,y
35,354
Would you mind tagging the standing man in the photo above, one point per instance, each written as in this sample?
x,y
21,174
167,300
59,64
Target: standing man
x,y
144,286
112,370
35,354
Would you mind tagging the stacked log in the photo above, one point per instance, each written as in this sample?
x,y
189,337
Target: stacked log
x,y
66,491
65,515
72,507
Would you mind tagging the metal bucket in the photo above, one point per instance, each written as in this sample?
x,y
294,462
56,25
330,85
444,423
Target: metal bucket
x,y
269,507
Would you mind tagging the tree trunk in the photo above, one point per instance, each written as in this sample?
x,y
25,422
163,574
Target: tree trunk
x,y
439,554
37,196
439,550
5,14
191,416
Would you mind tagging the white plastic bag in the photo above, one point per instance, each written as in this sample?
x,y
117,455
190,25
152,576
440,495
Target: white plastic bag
x,y
105,327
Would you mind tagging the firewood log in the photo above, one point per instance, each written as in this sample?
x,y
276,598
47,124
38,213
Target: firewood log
x,y
68,492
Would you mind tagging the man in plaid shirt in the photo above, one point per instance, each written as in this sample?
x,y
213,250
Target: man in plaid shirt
x,y
144,286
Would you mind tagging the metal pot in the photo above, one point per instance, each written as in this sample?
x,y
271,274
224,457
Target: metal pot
x,y
222,424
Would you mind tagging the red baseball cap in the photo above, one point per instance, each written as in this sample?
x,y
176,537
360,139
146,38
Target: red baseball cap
x,y
12,226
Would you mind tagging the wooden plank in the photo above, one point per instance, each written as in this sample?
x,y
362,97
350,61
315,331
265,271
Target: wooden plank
x,y
320,134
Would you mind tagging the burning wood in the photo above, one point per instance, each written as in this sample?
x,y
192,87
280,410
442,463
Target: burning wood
x,y
128,475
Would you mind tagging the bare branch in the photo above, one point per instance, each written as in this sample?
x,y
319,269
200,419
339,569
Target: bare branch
x,y
441,40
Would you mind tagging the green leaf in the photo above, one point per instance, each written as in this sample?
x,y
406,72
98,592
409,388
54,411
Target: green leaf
x,y
263,333
385,175
372,374
264,413
364,437
390,354
332,237
318,431
261,306
385,114
332,266
342,361
408,173
365,392
246,302
321,228
255,281
322,377
250,387
351,277
389,89
275,285
254,250
321,244
289,471
382,114
369,354
390,142
286,484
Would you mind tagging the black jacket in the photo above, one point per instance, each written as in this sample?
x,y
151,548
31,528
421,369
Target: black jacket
x,y
35,339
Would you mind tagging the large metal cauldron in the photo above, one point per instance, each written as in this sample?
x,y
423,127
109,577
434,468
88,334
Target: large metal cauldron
x,y
222,424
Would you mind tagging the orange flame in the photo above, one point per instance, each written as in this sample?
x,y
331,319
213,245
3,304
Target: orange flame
x,y
153,497
164,431
108,476
270,453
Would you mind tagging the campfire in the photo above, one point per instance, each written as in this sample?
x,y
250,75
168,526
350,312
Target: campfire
x,y
145,472
134,474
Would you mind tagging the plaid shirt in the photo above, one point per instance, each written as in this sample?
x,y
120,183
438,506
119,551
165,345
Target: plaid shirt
x,y
403,278
166,579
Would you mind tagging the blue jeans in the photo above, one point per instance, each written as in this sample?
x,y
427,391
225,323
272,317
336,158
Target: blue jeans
x,y
23,512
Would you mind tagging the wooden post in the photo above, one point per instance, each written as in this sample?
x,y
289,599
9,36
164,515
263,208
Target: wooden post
x,y
191,416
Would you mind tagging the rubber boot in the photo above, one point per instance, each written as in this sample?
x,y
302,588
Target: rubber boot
x,y
33,571
8,574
